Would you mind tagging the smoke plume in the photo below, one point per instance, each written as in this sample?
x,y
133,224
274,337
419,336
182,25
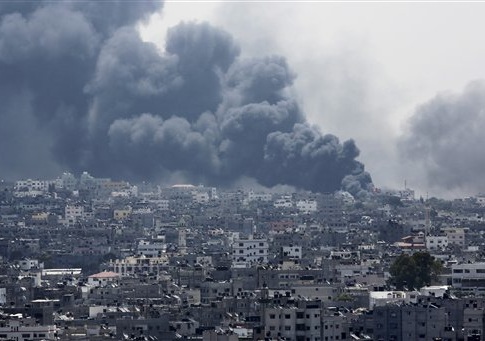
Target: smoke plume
x,y
445,137
81,90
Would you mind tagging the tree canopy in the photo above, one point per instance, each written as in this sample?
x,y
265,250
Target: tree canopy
x,y
414,271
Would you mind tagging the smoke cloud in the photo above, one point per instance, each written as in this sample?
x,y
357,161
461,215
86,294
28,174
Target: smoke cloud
x,y
81,90
445,139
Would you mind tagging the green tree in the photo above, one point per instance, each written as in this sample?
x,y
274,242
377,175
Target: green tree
x,y
415,271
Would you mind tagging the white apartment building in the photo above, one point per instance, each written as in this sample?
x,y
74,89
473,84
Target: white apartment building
x,y
250,251
285,202
150,250
21,329
306,206
468,275
29,188
200,197
136,265
30,185
436,242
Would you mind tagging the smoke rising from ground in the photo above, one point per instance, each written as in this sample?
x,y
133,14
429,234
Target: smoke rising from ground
x,y
83,91
445,139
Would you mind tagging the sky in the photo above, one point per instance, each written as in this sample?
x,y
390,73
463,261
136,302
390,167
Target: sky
x,y
363,70
313,95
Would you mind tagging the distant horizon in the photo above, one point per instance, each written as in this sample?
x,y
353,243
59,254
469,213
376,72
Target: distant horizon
x,y
249,186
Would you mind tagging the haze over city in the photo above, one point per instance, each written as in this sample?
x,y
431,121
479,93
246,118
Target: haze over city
x,y
241,171
314,95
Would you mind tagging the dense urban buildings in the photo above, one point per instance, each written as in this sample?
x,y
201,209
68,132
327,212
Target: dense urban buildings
x,y
84,258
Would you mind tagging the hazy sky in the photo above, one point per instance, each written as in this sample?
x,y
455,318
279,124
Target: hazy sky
x,y
305,94
362,68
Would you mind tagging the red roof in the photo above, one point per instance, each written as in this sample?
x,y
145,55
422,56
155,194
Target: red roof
x,y
105,274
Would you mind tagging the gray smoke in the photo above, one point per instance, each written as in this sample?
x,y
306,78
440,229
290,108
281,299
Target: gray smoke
x,y
445,137
83,91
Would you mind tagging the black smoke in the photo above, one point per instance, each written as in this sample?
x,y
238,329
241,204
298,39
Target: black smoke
x,y
445,139
79,89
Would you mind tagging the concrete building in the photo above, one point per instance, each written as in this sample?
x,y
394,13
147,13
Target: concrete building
x,y
455,236
468,275
423,322
150,249
22,329
122,213
306,206
291,252
30,185
137,265
219,335
72,214
103,279
144,327
434,243
300,322
250,251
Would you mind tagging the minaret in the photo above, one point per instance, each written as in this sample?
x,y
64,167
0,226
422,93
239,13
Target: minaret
x,y
182,236
427,222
